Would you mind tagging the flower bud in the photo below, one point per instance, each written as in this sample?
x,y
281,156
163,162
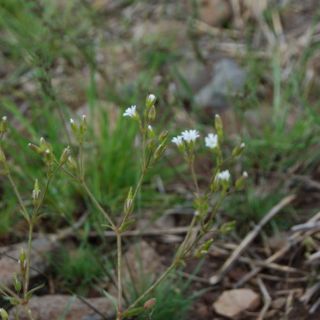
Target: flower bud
x,y
227,227
74,127
72,164
152,113
83,126
150,303
3,125
128,204
150,101
17,284
64,156
237,151
160,150
240,183
36,193
163,135
203,249
2,156
4,315
34,148
22,260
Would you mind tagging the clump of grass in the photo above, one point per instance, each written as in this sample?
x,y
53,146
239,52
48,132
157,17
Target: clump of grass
x,y
79,269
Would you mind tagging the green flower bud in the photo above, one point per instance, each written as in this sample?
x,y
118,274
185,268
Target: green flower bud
x,y
36,193
150,101
240,183
227,227
22,260
2,156
152,113
17,284
72,164
3,125
128,204
4,315
64,156
237,151
203,249
34,148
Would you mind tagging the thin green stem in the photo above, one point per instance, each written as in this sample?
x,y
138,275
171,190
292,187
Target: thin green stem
x,y
18,195
98,206
29,248
81,166
154,285
119,267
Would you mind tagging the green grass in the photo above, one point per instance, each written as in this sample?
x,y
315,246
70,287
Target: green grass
x,y
78,269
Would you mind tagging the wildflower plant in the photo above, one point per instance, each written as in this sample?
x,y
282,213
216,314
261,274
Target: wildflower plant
x,y
21,292
207,199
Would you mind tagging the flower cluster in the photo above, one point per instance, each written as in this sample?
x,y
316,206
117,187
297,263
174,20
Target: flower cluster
x,y
188,136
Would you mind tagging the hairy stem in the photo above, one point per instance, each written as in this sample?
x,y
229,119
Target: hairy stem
x,y
119,267
154,285
29,248
98,206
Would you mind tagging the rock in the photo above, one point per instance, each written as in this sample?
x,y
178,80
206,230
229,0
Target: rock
x,y
215,12
141,262
65,307
195,74
233,302
228,79
9,260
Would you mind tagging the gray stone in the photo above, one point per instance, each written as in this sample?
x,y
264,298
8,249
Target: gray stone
x,y
228,79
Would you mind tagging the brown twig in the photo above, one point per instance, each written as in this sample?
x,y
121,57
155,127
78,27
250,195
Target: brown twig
x,y
249,238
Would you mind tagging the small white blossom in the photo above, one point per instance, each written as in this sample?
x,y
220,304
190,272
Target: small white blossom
x,y
245,174
177,140
190,135
211,140
150,128
4,118
242,145
223,176
130,112
71,121
151,98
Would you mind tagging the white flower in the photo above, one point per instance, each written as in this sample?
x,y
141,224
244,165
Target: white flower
x,y
190,135
223,176
71,121
150,128
4,118
130,112
177,140
245,174
211,140
151,98
242,145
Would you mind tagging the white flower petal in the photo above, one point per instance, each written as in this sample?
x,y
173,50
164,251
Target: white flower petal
x,y
190,135
130,112
211,141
